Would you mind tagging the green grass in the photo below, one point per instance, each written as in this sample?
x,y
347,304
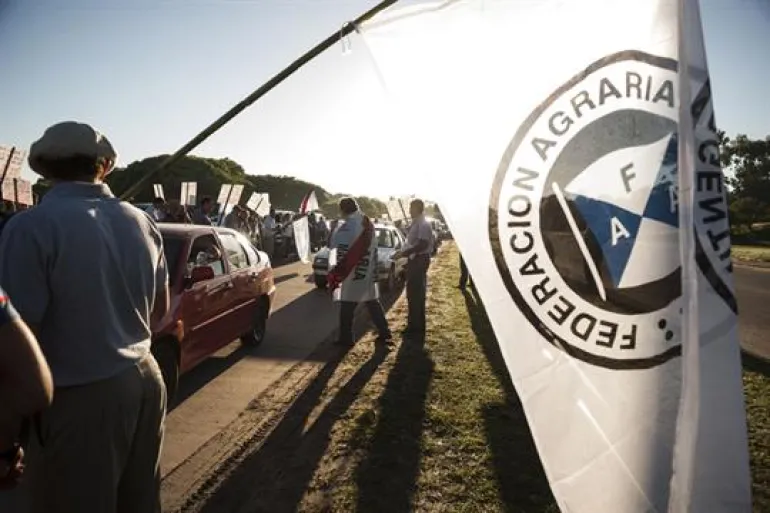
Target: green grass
x,y
751,254
438,427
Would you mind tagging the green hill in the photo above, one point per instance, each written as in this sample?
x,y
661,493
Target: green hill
x,y
286,192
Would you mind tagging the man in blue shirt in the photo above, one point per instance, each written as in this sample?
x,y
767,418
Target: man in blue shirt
x,y
87,273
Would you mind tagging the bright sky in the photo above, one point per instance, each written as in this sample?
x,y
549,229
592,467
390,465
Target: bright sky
x,y
153,73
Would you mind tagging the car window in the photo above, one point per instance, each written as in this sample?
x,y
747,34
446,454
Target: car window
x,y
397,238
235,253
205,251
384,238
251,254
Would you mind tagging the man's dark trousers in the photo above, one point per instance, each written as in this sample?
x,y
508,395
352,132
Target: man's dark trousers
x,y
377,314
416,290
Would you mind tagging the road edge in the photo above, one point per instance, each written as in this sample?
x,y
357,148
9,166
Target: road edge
x,y
201,474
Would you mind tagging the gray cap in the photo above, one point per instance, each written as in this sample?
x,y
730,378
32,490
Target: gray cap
x,y
70,139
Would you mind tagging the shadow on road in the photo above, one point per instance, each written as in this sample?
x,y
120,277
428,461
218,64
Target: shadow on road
x,y
387,477
506,426
275,478
212,367
285,277
754,364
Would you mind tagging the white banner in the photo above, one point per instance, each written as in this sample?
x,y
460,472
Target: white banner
x,y
235,196
24,192
224,194
557,133
302,239
189,193
11,162
395,212
158,190
263,208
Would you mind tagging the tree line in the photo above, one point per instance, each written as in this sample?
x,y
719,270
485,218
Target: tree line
x,y
286,192
746,162
747,173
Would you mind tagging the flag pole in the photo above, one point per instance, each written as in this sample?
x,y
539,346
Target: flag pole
x,y
265,88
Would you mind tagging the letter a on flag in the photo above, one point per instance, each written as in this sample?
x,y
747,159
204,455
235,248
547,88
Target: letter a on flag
x,y
565,137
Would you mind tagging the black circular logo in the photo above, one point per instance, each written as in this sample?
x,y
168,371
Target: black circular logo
x,y
585,215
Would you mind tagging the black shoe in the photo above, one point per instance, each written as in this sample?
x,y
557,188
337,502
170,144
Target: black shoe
x,y
385,340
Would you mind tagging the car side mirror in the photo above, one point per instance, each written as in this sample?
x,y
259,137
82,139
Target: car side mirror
x,y
201,273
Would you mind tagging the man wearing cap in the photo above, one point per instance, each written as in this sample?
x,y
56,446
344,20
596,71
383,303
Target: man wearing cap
x,y
88,275
419,248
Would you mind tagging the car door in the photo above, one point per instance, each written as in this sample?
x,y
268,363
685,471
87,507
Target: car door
x,y
205,304
243,301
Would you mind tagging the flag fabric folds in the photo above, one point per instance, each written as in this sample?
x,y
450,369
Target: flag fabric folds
x,y
576,149
302,239
309,203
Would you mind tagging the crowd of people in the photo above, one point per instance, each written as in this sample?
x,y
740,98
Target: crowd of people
x,y
273,233
83,278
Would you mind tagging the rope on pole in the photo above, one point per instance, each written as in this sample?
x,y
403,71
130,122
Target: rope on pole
x,y
311,54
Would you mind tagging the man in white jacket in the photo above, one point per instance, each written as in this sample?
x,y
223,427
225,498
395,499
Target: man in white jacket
x,y
352,277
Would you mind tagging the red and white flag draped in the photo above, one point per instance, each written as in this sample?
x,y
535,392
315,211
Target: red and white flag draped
x,y
309,203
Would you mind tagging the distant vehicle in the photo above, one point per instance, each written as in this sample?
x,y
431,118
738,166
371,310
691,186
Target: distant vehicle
x,y
389,272
222,288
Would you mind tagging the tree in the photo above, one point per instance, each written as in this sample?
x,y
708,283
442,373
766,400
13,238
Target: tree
x,y
749,161
286,192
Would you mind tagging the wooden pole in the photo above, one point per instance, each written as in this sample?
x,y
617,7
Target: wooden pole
x,y
265,88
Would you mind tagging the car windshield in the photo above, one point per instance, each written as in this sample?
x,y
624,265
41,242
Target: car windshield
x,y
384,239
172,247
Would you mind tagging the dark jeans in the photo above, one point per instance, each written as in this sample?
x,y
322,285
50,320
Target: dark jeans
x,y
464,276
377,314
416,290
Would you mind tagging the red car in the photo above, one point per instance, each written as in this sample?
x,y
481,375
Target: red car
x,y
221,288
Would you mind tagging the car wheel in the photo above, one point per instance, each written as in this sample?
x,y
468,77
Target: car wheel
x,y
320,281
167,356
256,336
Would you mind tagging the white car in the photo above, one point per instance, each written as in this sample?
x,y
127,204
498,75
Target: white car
x,y
389,272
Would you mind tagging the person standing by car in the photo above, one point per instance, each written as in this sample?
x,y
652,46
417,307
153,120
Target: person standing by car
x,y
158,210
419,247
355,272
87,273
268,232
26,387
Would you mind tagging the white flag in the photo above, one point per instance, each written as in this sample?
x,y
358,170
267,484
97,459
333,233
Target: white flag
x,y
567,165
302,239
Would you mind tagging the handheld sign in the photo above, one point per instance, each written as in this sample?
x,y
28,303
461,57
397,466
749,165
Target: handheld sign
x,y
189,193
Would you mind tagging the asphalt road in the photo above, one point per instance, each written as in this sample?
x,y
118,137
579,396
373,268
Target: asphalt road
x,y
213,394
752,287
